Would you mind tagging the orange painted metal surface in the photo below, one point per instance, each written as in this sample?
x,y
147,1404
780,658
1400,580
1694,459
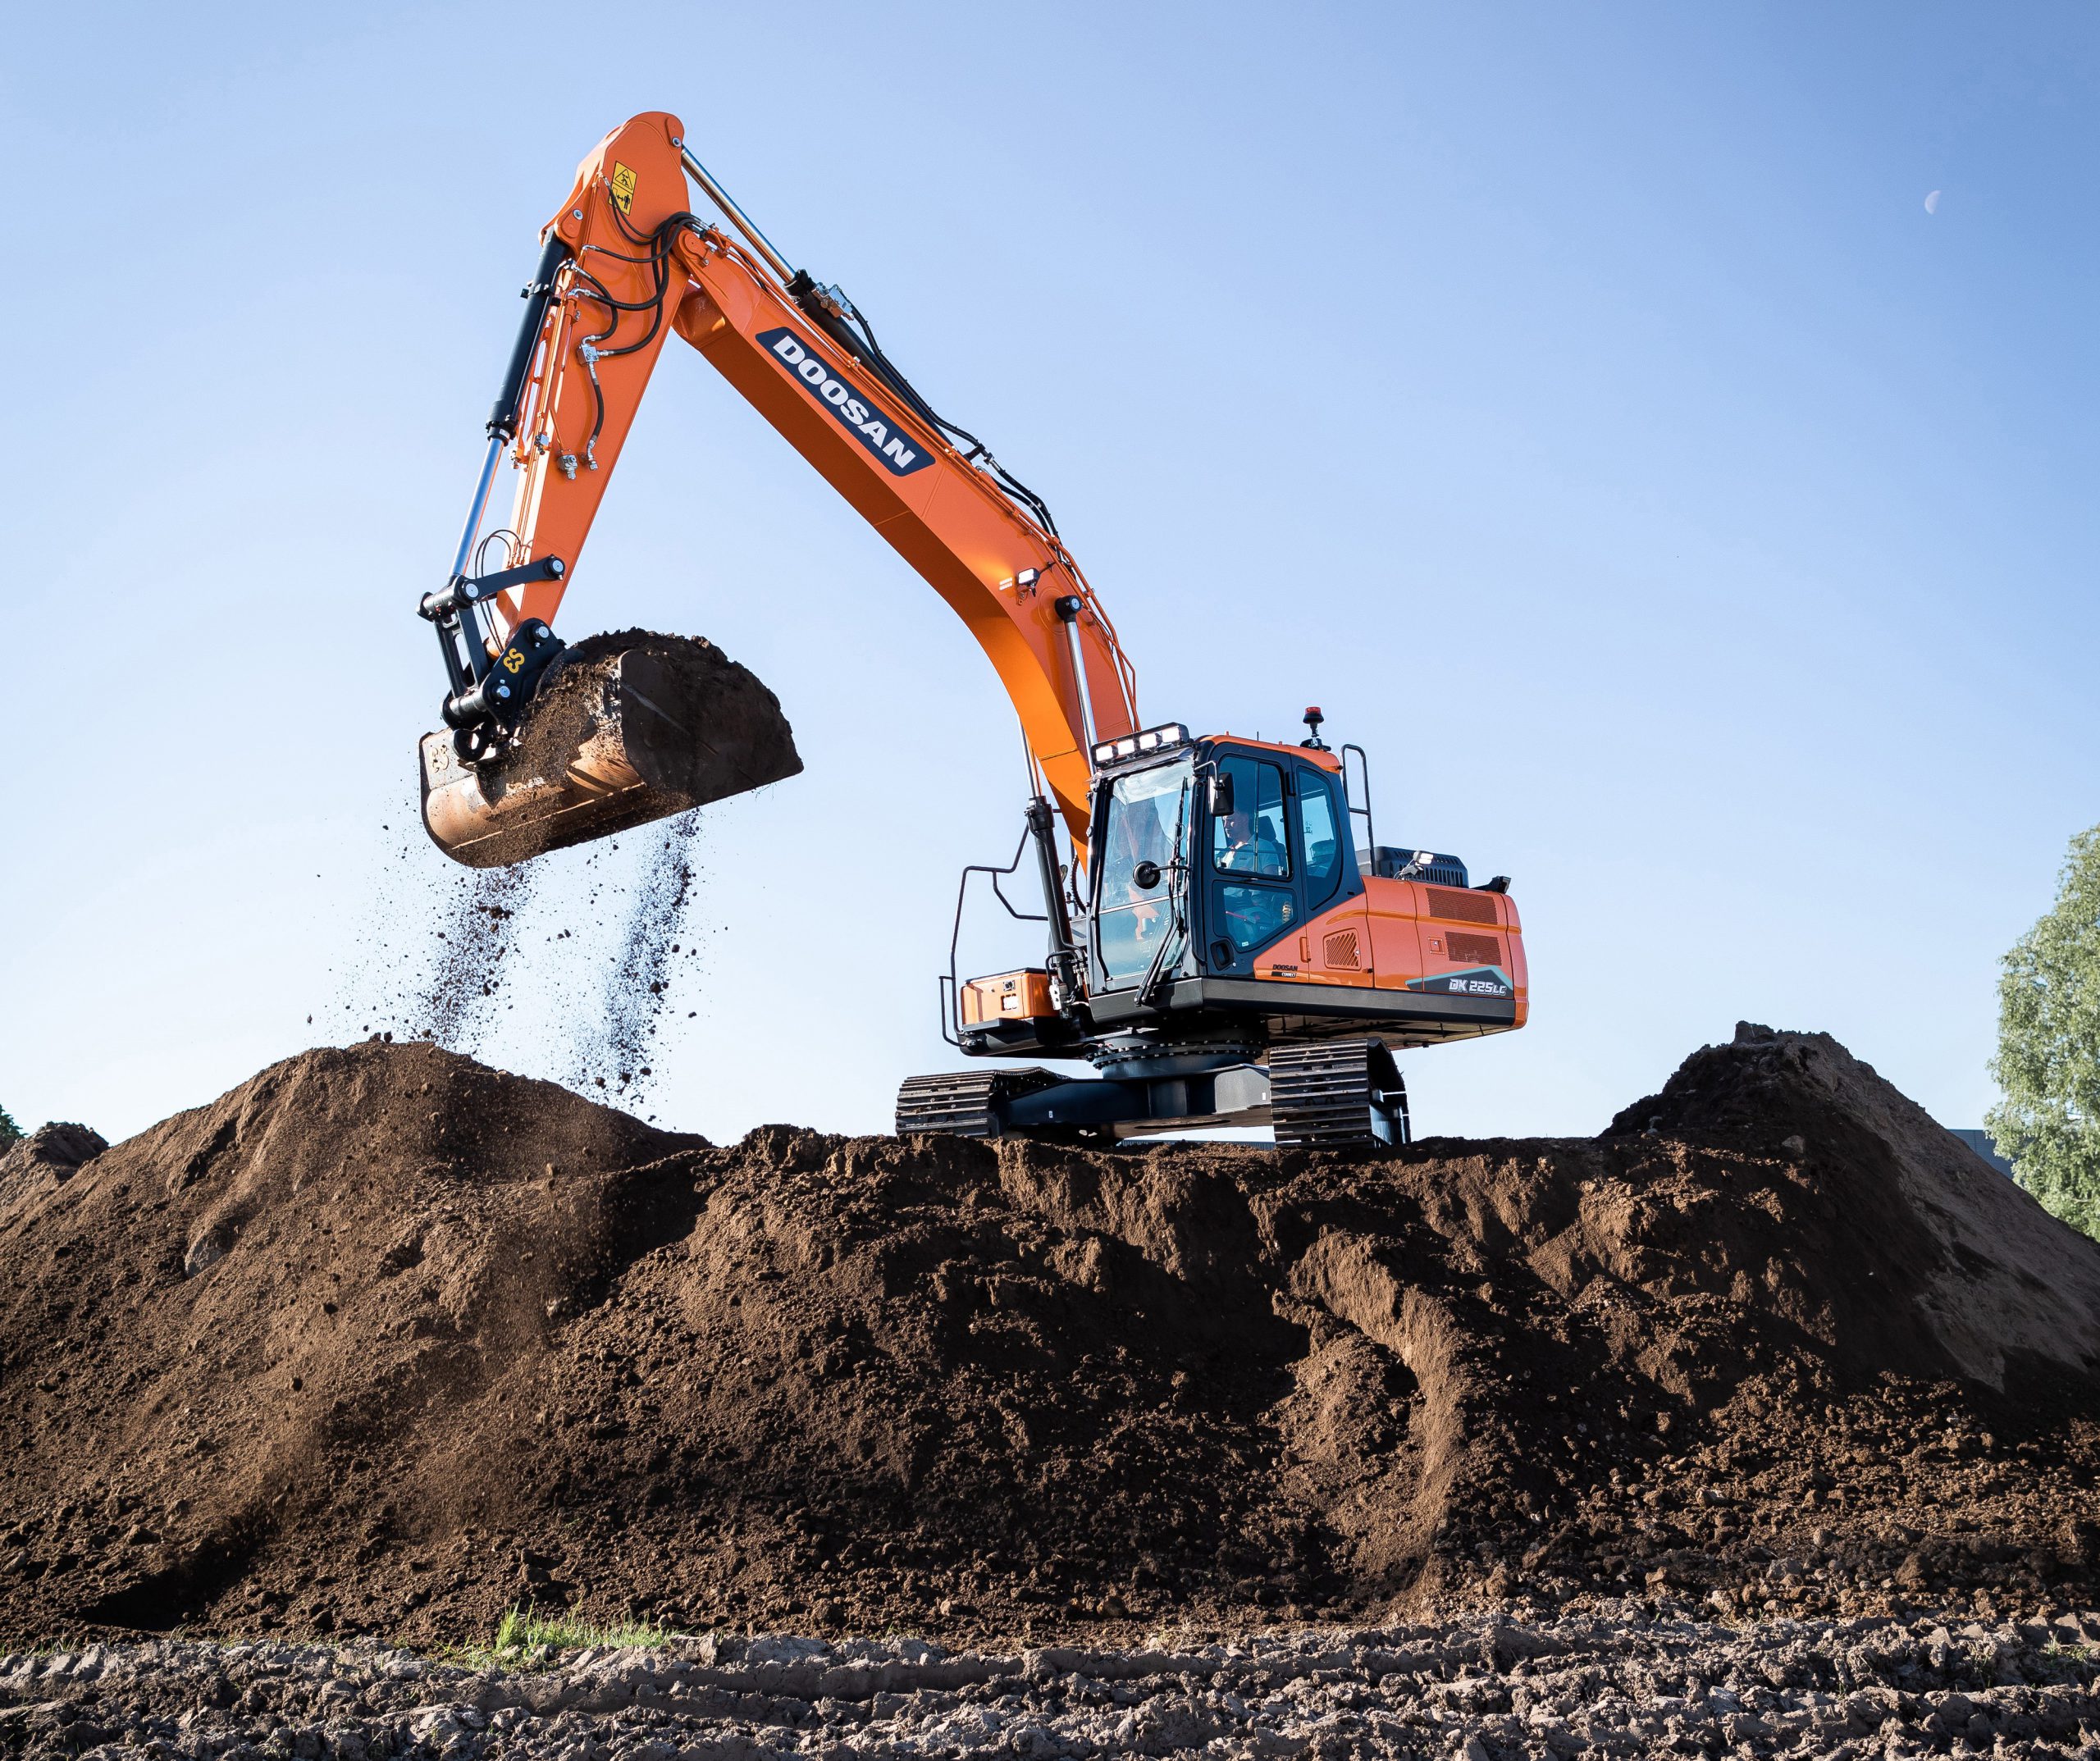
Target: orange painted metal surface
x,y
1323,758
1021,996
1396,931
945,517
1332,946
1420,930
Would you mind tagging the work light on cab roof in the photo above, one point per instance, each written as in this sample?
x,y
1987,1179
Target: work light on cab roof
x,y
1148,739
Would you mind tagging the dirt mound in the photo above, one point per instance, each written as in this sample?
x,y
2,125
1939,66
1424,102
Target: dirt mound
x,y
1987,1285
49,1155
385,1340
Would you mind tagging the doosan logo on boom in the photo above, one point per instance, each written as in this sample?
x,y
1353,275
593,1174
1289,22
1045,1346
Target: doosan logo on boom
x,y
856,411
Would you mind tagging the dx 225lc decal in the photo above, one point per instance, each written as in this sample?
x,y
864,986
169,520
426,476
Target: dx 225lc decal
x,y
1482,981
853,410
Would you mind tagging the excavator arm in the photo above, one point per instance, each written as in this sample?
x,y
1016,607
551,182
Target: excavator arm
x,y
624,267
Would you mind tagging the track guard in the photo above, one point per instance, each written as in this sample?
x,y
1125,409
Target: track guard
x,y
1032,1102
966,1103
1336,1092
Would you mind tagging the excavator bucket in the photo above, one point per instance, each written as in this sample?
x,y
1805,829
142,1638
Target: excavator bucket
x,y
623,729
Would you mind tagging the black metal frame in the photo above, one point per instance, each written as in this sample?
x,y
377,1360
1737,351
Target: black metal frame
x,y
948,982
1370,830
471,706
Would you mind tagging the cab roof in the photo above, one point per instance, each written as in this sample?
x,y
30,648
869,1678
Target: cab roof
x,y
1325,757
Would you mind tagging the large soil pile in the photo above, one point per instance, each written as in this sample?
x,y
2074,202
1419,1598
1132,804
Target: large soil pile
x,y
385,1340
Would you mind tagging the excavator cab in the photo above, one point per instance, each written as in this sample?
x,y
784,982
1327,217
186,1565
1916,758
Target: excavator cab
x,y
1242,963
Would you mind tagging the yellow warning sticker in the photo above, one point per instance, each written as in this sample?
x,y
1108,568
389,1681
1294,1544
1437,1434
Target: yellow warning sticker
x,y
622,188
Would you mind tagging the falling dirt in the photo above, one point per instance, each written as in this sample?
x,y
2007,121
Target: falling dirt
x,y
386,1341
611,1048
602,935
469,970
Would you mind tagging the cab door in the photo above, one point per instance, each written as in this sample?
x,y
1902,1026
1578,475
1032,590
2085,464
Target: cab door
x,y
1251,891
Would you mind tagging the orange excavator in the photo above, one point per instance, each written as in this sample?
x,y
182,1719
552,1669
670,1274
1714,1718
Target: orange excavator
x,y
1221,948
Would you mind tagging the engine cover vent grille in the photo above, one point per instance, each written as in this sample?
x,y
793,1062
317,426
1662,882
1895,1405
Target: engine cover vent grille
x,y
1339,949
1478,951
1467,907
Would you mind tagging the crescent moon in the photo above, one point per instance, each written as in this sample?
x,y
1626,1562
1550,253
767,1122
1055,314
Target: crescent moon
x,y
1932,202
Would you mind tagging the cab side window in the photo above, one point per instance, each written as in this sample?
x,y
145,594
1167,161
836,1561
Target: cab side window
x,y
1252,838
1320,852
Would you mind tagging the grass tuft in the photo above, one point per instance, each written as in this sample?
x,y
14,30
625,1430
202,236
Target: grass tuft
x,y
522,1632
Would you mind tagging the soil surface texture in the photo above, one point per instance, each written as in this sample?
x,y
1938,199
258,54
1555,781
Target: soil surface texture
x,y
715,729
386,1341
1471,1691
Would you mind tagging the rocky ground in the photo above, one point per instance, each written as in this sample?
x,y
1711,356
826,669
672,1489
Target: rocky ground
x,y
1484,1689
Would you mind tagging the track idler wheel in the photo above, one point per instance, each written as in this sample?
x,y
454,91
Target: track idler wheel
x,y
1338,1093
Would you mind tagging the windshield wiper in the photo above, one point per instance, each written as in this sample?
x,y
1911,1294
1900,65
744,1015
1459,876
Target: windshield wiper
x,y
1156,977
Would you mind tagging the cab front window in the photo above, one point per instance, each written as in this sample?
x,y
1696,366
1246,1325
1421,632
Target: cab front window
x,y
1147,815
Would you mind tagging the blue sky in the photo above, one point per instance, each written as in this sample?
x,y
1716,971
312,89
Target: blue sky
x,y
1579,404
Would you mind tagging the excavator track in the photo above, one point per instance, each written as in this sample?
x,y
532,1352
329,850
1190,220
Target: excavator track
x,y
1337,1093
964,1103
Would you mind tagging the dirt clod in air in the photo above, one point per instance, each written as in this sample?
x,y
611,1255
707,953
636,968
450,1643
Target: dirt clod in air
x,y
468,970
385,1340
635,980
599,941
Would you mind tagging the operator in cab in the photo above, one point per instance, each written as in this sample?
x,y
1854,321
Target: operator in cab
x,y
1246,846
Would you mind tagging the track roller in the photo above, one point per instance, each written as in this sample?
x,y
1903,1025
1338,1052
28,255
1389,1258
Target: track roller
x,y
1338,1092
964,1103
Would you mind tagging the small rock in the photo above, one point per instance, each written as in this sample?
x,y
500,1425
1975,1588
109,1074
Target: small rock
x,y
207,1250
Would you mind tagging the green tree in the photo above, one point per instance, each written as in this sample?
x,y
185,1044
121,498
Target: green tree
x,y
2048,1060
9,1131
